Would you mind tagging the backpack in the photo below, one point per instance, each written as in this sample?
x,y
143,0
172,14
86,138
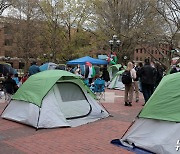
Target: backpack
x,y
126,77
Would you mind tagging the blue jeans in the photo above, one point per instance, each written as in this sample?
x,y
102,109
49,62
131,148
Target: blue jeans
x,y
147,90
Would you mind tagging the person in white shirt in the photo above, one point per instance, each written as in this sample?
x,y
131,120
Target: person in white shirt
x,y
129,88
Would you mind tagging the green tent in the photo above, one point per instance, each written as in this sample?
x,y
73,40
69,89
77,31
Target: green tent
x,y
38,85
156,129
164,104
116,82
113,69
54,98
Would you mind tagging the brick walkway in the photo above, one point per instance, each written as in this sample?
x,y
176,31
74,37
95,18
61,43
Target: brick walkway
x,y
92,138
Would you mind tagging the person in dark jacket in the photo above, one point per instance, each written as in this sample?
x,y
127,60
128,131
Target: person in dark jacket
x,y
10,87
173,70
33,69
147,74
159,74
105,75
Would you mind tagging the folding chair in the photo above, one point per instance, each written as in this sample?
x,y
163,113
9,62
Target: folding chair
x,y
99,88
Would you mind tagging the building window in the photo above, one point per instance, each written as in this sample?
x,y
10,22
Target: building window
x,y
140,58
136,50
140,50
7,30
156,52
8,42
159,59
137,58
152,51
7,53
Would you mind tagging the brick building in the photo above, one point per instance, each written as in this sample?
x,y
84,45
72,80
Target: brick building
x,y
154,53
7,46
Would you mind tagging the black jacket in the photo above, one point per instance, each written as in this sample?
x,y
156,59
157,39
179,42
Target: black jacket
x,y
10,86
148,74
105,75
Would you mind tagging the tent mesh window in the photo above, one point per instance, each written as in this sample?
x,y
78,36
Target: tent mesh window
x,y
120,78
70,92
74,103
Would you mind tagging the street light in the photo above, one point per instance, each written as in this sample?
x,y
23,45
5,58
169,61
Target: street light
x,y
114,43
48,56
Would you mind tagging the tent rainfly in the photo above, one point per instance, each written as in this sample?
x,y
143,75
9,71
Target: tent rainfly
x,y
113,69
54,98
48,66
156,128
116,82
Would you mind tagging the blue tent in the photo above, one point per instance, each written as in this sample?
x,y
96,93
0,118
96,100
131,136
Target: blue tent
x,y
85,59
48,66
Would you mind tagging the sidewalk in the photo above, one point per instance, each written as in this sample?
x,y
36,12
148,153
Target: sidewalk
x,y
92,138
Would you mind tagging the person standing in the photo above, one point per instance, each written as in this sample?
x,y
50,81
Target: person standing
x,y
10,87
135,83
16,78
89,72
140,65
33,69
148,77
105,75
129,88
78,71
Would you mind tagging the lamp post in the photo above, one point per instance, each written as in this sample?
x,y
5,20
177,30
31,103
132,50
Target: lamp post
x,y
47,57
114,43
125,58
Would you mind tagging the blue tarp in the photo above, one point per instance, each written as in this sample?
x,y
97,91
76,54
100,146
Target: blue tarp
x,y
134,149
83,60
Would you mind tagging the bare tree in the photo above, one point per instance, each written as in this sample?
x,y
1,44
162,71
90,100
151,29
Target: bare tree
x,y
169,10
4,4
133,22
64,20
25,30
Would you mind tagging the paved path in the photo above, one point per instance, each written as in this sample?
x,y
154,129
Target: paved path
x,y
92,138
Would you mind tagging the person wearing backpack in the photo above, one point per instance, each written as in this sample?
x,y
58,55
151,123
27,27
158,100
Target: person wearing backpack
x,y
127,79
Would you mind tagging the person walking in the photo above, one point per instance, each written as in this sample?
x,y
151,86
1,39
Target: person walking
x,y
148,77
129,88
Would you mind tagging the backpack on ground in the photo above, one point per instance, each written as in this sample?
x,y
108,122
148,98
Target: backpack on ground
x,y
126,77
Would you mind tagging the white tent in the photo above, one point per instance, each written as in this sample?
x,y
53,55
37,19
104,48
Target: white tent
x,y
58,99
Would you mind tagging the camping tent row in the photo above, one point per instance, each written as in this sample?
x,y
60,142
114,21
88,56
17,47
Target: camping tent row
x,y
54,98
156,128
